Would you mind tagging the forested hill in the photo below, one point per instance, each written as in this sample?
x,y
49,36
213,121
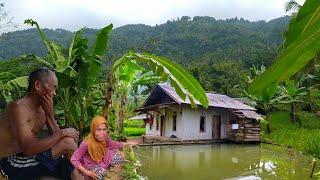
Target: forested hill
x,y
201,44
183,40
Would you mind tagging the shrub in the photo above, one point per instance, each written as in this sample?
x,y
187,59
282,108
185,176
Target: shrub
x,y
132,131
308,120
134,123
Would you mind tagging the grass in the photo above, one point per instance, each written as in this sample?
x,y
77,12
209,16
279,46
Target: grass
x,y
134,128
134,123
303,136
134,131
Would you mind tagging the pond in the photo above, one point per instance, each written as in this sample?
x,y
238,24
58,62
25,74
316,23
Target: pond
x,y
223,161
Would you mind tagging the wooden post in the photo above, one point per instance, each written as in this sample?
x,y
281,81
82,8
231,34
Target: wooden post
x,y
314,161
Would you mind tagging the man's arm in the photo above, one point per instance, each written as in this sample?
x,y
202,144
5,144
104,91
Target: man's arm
x,y
29,143
47,106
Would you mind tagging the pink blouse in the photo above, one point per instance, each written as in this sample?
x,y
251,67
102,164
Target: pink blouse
x,y
82,158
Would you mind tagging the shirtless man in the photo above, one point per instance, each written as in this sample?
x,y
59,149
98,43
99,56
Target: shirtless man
x,y
25,156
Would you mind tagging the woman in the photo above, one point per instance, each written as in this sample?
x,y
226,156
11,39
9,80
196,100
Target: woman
x,y
97,151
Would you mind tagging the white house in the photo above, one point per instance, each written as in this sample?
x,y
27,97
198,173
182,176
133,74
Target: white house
x,y
167,115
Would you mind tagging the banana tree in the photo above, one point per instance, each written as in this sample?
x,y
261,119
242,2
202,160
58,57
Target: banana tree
x,y
11,87
293,93
265,100
302,44
80,69
131,77
125,75
142,84
80,90
185,85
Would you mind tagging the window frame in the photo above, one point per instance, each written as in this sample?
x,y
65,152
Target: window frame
x,y
174,122
202,119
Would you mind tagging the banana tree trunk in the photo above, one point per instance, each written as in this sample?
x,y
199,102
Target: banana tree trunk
x,y
268,122
108,98
293,113
122,113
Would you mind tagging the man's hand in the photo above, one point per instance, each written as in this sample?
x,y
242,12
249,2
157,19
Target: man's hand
x,y
70,132
46,103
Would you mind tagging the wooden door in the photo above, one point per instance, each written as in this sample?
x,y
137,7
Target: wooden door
x,y
216,127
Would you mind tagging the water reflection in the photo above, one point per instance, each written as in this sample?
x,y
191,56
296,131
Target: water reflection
x,y
223,161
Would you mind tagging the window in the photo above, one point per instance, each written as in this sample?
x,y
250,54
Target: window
x,y
150,124
202,123
174,122
157,125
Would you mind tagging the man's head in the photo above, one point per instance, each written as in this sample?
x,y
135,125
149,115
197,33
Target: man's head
x,y
43,81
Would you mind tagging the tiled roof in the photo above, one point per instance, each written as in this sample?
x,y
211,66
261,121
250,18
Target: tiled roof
x,y
215,100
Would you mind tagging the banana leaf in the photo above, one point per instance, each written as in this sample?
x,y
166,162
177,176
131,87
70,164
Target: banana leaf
x,y
184,84
302,44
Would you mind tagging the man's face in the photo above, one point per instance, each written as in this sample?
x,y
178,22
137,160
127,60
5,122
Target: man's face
x,y
49,85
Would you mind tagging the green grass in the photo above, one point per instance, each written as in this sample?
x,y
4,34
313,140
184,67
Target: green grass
x,y
303,136
133,131
134,123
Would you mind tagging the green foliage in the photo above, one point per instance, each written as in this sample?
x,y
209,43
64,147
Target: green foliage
x,y
13,77
11,87
134,123
308,120
202,42
130,168
80,92
315,99
300,138
227,77
133,131
266,99
184,84
129,172
301,45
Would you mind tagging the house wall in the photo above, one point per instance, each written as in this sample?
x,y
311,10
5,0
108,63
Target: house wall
x,y
170,111
191,122
168,122
188,122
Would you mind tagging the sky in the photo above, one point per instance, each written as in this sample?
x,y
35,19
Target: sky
x,y
75,14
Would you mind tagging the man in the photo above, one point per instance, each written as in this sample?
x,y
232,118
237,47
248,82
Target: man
x,y
25,156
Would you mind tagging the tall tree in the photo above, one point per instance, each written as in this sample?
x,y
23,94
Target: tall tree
x,y
6,21
293,6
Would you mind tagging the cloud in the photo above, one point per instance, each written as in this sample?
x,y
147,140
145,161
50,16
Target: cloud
x,y
74,14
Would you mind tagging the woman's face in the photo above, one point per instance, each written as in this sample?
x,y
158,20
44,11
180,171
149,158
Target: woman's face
x,y
101,132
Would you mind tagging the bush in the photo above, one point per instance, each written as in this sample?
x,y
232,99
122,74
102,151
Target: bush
x,y
263,124
308,120
132,131
129,169
134,123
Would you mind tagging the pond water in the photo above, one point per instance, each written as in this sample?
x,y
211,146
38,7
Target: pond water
x,y
223,161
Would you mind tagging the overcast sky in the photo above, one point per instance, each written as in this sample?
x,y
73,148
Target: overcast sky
x,y
74,14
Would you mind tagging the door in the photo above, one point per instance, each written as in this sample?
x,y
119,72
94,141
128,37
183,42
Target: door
x,y
162,126
216,127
